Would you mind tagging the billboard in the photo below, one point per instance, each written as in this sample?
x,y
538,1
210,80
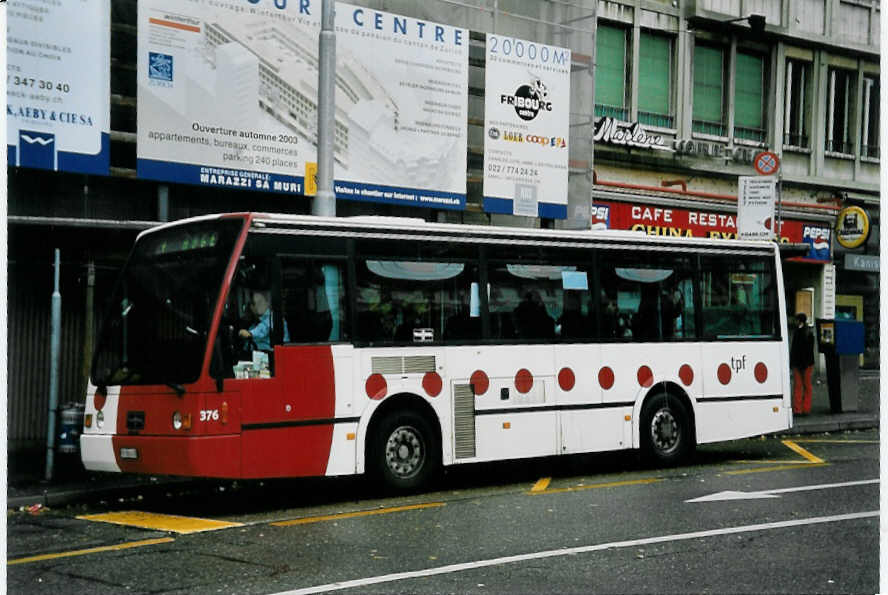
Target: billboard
x,y
58,85
668,221
526,125
228,97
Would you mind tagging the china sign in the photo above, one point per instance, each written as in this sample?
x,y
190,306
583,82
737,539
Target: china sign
x,y
668,221
526,123
58,85
227,95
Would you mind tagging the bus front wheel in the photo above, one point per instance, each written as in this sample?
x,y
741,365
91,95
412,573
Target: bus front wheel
x,y
404,455
665,430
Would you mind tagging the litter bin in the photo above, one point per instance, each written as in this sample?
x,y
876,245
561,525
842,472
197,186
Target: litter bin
x,y
71,423
841,343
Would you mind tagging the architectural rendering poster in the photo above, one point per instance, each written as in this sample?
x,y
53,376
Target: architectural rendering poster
x,y
228,97
58,85
526,124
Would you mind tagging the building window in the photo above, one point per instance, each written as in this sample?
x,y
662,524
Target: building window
x,y
610,73
838,117
709,90
870,129
749,98
655,81
798,104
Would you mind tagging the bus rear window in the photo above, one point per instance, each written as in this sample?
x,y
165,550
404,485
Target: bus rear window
x,y
738,298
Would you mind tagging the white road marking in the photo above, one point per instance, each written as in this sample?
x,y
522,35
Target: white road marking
x,y
400,576
735,495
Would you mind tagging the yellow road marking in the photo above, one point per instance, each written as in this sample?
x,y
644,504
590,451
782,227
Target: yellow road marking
x,y
159,522
359,513
92,550
783,467
541,485
828,441
810,457
612,484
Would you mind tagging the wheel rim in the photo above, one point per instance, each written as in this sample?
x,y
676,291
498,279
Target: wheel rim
x,y
405,452
665,431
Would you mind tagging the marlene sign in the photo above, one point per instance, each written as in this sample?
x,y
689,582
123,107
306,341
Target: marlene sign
x,y
609,130
527,124
57,85
668,221
228,97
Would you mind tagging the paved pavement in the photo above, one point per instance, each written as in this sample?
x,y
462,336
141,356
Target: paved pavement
x,y
25,486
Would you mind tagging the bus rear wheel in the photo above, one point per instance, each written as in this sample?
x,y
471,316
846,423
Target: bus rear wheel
x,y
404,454
665,430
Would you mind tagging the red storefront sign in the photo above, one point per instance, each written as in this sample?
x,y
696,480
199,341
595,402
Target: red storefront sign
x,y
669,221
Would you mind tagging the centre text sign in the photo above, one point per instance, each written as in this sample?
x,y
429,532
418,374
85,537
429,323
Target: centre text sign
x,y
228,97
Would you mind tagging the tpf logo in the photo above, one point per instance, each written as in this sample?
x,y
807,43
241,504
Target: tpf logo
x,y
529,100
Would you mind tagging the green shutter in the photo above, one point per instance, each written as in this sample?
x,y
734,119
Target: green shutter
x,y
748,94
708,84
610,62
654,74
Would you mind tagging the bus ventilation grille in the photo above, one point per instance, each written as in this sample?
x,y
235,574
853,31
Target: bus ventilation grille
x,y
412,364
464,421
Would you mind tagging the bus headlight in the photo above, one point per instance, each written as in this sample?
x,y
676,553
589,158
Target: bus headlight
x,y
177,421
100,420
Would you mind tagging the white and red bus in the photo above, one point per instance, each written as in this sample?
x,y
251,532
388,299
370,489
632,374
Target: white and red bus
x,y
398,346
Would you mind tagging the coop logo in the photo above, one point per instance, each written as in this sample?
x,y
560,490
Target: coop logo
x,y
494,133
547,141
160,67
529,100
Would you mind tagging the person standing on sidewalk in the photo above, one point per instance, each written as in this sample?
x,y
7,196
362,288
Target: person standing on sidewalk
x,y
801,360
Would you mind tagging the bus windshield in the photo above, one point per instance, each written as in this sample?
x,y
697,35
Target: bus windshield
x,y
157,323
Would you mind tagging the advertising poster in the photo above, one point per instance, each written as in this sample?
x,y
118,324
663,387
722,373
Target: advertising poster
x,y
58,85
669,221
755,207
228,97
526,124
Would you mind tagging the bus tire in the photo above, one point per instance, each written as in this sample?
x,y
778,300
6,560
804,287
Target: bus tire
x,y
404,454
665,428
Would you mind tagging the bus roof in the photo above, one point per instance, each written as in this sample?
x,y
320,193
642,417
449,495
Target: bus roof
x,y
402,225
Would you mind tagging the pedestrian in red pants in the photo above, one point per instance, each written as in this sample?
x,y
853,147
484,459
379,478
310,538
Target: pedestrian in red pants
x,y
801,360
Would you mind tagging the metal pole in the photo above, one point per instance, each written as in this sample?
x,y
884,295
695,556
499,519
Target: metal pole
x,y
324,203
163,203
55,342
592,68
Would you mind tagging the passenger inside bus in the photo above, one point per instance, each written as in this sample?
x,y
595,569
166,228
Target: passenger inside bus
x,y
531,318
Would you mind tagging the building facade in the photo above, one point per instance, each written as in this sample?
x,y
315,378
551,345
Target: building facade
x,y
670,101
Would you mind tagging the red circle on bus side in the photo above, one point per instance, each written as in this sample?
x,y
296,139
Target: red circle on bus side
x,y
523,381
761,372
432,383
480,382
606,378
566,379
376,386
724,373
645,376
99,400
686,373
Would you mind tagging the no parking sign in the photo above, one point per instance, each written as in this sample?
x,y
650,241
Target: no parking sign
x,y
766,163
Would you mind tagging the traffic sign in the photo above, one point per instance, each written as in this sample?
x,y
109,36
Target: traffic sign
x,y
766,163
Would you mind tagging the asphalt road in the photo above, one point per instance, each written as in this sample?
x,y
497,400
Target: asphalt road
x,y
751,516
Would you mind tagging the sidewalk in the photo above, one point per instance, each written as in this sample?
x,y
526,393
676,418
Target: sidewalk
x,y
72,483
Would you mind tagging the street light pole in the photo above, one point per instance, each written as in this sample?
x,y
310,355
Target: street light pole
x,y
324,202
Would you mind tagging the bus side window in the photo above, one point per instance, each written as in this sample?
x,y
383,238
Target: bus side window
x,y
738,297
313,300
